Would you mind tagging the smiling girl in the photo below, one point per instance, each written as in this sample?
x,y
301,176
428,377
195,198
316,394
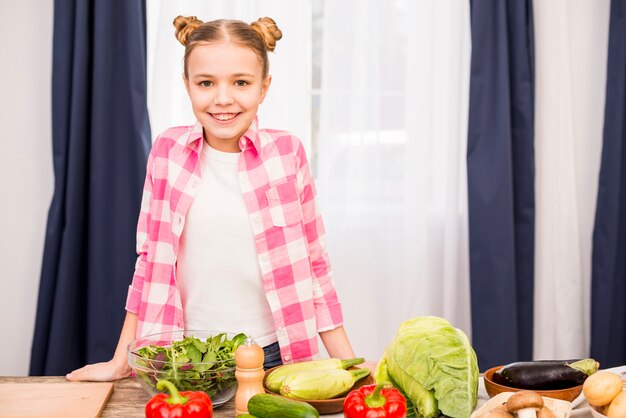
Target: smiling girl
x,y
229,235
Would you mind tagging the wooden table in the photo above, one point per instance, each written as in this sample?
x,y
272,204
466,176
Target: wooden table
x,y
128,398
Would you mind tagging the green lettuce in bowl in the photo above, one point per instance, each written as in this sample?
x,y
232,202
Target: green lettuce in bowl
x,y
435,367
191,360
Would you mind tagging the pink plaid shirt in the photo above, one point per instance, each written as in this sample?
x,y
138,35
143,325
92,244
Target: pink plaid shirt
x,y
288,234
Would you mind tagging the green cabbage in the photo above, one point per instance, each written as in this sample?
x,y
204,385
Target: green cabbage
x,y
435,367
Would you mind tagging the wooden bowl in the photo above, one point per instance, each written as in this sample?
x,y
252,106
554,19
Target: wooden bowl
x,y
326,406
494,388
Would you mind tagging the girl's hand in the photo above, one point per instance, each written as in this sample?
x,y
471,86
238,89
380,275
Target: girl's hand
x,y
102,372
114,369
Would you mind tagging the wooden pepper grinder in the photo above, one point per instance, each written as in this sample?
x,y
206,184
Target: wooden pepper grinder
x,y
249,358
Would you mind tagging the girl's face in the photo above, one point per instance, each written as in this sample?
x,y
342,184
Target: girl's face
x,y
225,86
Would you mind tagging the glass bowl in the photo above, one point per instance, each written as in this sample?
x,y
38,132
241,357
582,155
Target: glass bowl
x,y
190,359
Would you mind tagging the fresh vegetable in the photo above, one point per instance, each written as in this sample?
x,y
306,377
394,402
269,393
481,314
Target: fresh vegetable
x,y
178,404
617,408
275,378
321,384
545,412
192,364
525,404
420,402
434,366
263,405
381,400
600,388
545,374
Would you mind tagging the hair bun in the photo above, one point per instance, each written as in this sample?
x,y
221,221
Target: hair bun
x,y
268,31
185,25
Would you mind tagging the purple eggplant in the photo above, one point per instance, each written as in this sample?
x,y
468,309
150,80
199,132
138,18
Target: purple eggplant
x,y
546,374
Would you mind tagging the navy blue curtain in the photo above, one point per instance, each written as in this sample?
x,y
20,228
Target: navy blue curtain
x,y
500,167
101,138
608,282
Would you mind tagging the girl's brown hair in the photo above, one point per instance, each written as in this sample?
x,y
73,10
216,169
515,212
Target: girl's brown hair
x,y
260,36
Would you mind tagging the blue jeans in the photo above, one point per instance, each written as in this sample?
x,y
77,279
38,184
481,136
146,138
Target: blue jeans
x,y
272,356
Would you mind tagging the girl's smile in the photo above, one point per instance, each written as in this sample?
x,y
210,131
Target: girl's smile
x,y
224,117
226,86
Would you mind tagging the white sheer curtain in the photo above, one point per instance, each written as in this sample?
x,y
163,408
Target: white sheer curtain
x,y
391,162
287,105
571,39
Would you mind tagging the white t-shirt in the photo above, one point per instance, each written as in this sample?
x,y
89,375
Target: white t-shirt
x,y
218,272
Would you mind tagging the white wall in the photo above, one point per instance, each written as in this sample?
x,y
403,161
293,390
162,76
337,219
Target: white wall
x,y
26,176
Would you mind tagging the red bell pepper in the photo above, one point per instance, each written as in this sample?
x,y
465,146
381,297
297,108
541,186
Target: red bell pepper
x,y
179,404
375,401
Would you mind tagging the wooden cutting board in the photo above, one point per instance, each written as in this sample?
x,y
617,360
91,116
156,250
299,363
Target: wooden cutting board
x,y
66,399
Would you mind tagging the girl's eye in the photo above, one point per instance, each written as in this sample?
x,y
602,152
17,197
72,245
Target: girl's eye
x,y
206,83
241,83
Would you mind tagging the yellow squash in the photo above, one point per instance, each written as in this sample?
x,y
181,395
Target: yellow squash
x,y
320,384
275,379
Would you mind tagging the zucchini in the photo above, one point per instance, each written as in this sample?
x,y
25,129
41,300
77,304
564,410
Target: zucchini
x,y
275,378
321,384
546,374
263,405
